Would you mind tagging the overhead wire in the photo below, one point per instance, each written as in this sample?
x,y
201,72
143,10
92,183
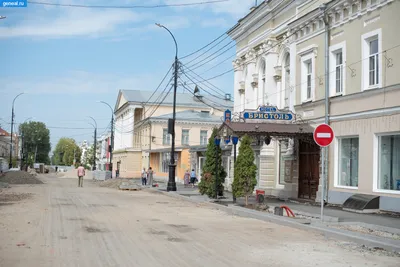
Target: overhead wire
x,y
126,7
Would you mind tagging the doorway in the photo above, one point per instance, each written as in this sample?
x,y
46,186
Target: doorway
x,y
308,170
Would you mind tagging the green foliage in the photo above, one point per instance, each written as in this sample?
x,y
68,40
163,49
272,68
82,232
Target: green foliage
x,y
89,156
14,162
64,152
207,183
245,170
35,134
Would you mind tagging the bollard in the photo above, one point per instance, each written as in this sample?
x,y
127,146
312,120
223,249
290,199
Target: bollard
x,y
278,211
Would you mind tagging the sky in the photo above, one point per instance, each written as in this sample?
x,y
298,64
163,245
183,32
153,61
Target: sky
x,y
65,59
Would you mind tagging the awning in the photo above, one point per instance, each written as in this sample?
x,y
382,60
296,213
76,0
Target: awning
x,y
270,129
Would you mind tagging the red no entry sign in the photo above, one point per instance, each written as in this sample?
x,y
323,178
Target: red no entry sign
x,y
323,135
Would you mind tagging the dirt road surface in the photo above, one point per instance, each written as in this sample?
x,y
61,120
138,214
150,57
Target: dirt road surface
x,y
60,224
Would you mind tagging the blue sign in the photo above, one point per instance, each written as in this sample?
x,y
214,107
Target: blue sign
x,y
268,113
227,116
15,3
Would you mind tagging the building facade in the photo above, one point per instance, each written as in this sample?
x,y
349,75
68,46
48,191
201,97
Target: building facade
x,y
134,108
103,153
281,58
192,128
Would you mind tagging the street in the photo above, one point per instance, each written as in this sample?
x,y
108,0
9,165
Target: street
x,y
63,225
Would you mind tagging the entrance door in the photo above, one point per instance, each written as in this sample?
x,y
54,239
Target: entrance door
x,y
308,170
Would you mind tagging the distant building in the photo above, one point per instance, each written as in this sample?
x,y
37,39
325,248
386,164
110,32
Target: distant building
x,y
84,146
103,153
134,147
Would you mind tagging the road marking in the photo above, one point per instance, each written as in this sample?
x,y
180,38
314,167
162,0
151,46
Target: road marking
x,y
323,135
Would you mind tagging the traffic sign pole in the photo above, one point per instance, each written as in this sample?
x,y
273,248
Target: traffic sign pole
x,y
323,136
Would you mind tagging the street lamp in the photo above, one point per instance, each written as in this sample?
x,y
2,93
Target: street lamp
x,y
95,143
12,126
217,142
235,140
111,147
171,123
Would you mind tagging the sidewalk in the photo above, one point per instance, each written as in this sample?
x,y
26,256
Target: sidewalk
x,y
370,230
331,214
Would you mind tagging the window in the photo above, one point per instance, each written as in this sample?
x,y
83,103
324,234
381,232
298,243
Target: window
x,y
185,137
339,72
166,137
309,75
373,63
286,80
203,137
337,69
389,162
348,162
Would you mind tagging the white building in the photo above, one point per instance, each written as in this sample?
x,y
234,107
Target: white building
x,y
280,63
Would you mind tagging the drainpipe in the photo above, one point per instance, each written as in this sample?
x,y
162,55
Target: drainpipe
x,y
324,158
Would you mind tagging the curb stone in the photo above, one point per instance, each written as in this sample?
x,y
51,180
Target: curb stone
x,y
345,235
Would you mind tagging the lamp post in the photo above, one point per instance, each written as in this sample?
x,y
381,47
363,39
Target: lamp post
x,y
235,140
171,124
111,147
12,126
94,143
217,142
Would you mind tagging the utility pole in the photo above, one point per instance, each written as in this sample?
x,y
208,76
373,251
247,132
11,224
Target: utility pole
x,y
324,149
111,146
94,143
12,126
171,124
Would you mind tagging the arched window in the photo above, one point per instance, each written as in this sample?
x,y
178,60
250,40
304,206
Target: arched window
x,y
286,82
261,82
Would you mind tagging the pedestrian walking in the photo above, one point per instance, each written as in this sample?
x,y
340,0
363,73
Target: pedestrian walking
x,y
81,174
144,177
150,176
192,177
186,178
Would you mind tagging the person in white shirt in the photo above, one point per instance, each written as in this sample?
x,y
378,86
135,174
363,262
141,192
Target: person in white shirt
x,y
144,177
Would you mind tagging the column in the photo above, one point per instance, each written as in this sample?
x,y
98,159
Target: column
x,y
270,59
250,93
238,76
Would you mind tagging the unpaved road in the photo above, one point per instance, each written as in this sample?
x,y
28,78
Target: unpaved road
x,y
63,225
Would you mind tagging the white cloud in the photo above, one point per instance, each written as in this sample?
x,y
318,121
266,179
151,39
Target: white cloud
x,y
78,82
233,8
74,22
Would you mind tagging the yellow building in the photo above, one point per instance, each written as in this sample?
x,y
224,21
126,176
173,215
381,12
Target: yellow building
x,y
141,121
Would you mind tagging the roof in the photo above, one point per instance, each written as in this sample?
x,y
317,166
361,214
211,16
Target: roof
x,y
182,99
273,129
4,132
190,115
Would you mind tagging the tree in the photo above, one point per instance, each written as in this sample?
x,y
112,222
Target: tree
x,y
36,139
89,156
207,183
245,170
66,151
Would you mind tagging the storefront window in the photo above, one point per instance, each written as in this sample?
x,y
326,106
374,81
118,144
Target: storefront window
x,y
348,161
389,162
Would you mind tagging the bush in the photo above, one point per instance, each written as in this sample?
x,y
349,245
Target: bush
x,y
207,183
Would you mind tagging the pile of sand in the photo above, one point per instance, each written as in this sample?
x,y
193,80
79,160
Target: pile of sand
x,y
113,183
19,177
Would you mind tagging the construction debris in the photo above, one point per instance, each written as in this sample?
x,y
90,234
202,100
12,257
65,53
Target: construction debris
x,y
19,177
130,185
